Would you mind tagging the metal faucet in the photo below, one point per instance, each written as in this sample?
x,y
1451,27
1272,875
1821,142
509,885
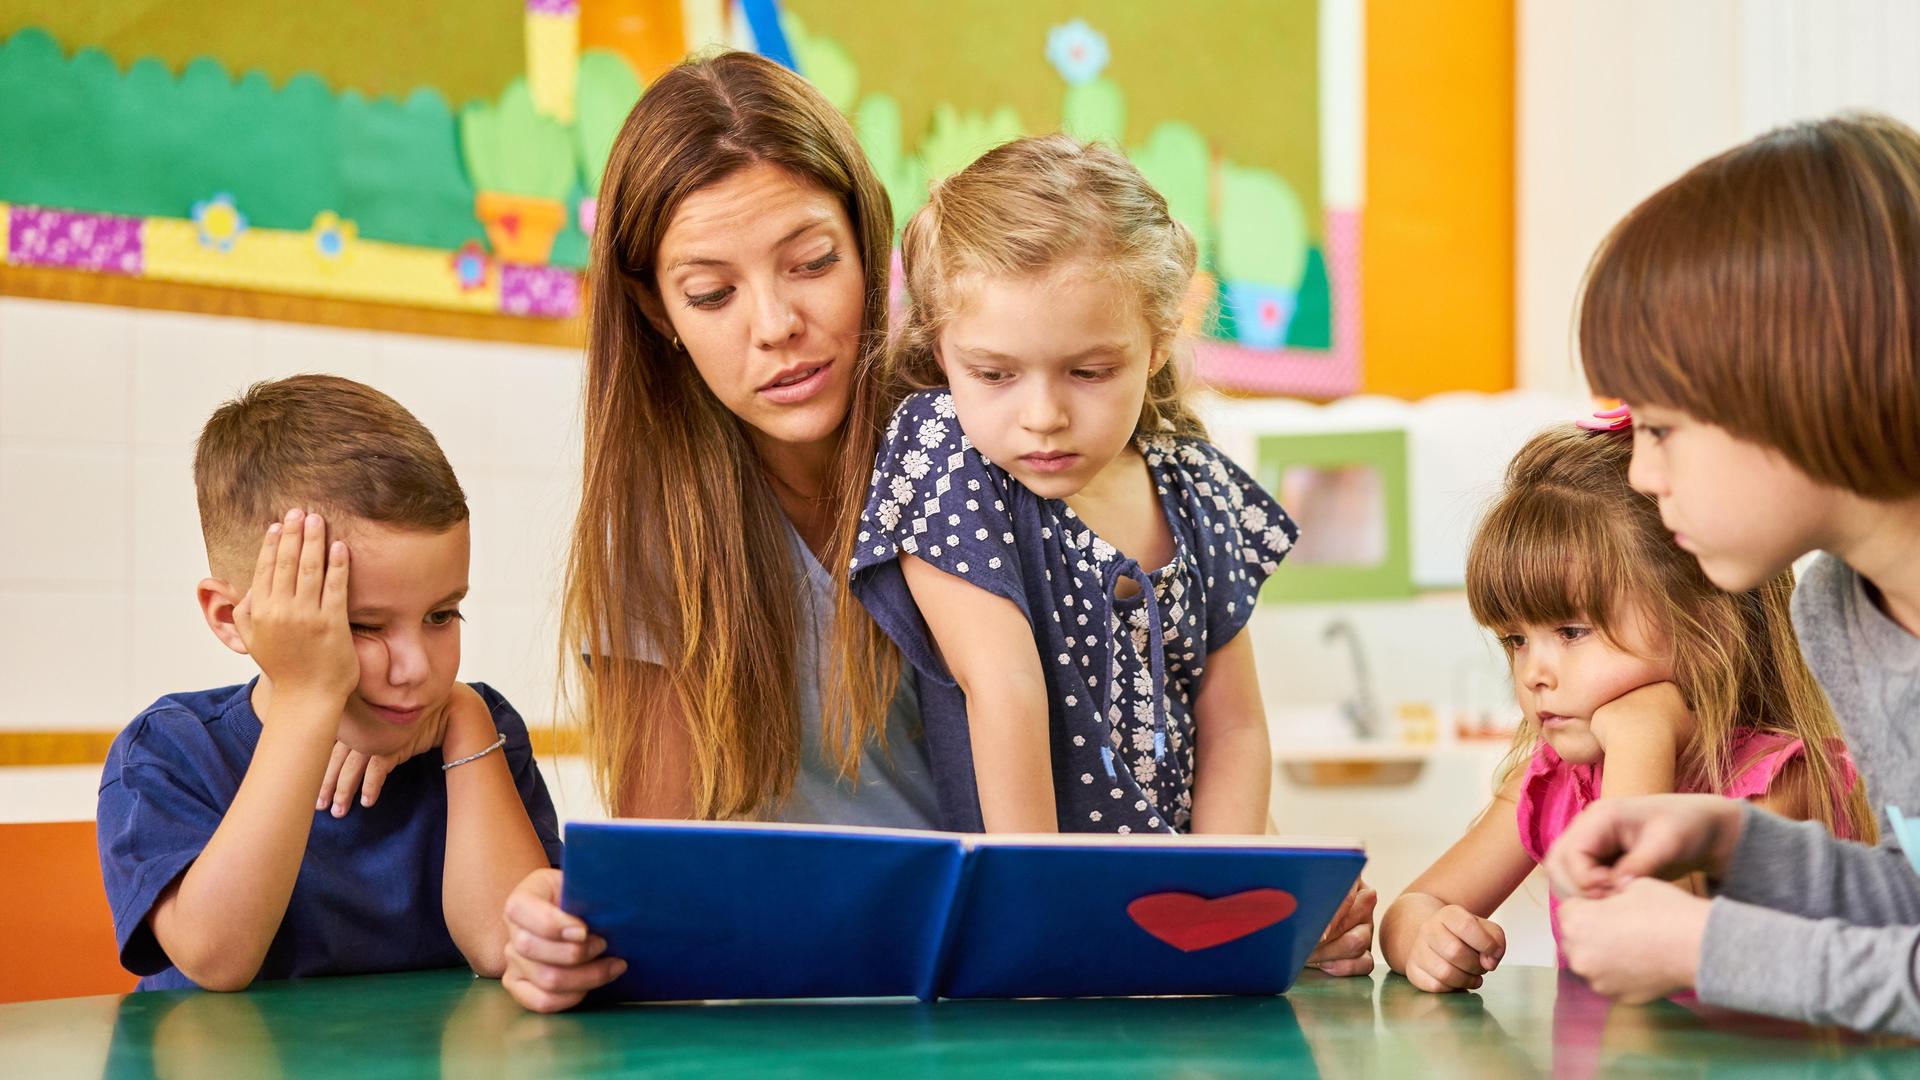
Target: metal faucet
x,y
1359,711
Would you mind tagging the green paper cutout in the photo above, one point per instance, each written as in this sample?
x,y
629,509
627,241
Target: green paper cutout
x,y
401,179
957,138
1263,230
1095,109
1177,161
877,125
606,90
80,134
1383,451
1312,325
509,147
823,61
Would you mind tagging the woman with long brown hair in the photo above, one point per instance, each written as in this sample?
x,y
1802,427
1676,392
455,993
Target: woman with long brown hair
x,y
739,279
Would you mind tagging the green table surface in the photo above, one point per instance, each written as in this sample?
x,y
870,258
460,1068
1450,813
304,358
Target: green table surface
x,y
1525,1022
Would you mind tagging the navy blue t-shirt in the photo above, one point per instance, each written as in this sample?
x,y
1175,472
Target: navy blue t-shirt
x,y
368,895
1122,674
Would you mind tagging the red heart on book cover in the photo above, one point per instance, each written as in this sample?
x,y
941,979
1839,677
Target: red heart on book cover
x,y
1191,923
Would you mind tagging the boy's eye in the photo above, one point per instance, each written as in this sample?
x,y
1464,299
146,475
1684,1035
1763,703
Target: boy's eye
x,y
363,628
1572,633
988,375
710,300
445,618
1512,641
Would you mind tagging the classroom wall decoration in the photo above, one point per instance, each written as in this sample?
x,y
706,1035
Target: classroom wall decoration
x,y
404,154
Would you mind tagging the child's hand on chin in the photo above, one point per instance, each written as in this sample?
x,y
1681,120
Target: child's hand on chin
x,y
349,770
1641,943
1657,711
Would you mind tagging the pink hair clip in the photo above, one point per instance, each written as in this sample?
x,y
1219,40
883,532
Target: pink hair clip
x,y
1614,419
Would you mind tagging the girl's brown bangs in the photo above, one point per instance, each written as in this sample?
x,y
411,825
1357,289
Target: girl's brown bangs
x,y
1539,561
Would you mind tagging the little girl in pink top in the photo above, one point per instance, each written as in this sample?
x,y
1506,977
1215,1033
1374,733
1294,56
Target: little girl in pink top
x,y
1634,675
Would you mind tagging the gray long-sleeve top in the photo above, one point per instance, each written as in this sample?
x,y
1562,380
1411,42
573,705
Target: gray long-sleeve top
x,y
1806,926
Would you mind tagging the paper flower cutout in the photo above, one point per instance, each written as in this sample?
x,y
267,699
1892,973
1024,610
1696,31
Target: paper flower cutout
x,y
332,234
218,223
1077,51
471,266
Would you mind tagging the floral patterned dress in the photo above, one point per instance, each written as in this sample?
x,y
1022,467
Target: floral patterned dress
x,y
1122,673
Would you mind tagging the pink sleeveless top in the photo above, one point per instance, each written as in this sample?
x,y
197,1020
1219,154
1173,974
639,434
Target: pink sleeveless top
x,y
1553,792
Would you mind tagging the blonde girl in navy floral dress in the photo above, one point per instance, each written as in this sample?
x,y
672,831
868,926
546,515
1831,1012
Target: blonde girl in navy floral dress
x,y
1048,537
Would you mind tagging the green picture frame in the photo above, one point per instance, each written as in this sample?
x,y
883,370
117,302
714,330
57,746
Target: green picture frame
x,y
1385,452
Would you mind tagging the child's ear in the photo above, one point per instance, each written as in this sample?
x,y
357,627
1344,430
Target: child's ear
x,y
1162,352
217,601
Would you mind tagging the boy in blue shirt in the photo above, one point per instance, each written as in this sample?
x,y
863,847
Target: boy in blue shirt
x,y
218,867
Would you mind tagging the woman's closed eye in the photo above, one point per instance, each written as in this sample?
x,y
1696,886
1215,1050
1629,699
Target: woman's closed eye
x,y
822,264
709,300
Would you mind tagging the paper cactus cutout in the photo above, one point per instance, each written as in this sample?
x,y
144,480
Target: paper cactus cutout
x,y
957,138
1096,109
608,89
825,63
879,128
1263,229
1177,161
509,147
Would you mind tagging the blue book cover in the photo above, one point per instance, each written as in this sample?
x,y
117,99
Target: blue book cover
x,y
705,911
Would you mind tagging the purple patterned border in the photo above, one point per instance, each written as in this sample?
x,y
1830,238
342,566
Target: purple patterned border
x,y
71,240
548,292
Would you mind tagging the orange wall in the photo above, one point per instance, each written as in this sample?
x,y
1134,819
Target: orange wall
x,y
1437,244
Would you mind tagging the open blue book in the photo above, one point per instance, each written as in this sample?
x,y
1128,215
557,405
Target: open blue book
x,y
704,911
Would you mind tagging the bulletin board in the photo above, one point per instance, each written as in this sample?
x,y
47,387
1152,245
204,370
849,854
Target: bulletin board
x,y
446,157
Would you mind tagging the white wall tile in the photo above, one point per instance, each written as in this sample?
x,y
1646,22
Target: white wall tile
x,y
537,408
63,512
64,657
511,646
521,519
450,385
76,355
167,548
184,367
173,649
294,349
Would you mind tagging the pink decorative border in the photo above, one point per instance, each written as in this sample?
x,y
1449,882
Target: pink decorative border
x,y
72,240
1303,372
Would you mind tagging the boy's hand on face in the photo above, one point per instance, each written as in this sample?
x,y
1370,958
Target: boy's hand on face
x,y
351,771
293,619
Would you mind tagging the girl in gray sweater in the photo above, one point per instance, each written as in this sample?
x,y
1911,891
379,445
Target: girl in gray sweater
x,y
1761,315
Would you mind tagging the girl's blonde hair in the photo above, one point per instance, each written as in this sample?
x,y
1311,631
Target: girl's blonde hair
x,y
680,542
1027,208
1568,540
